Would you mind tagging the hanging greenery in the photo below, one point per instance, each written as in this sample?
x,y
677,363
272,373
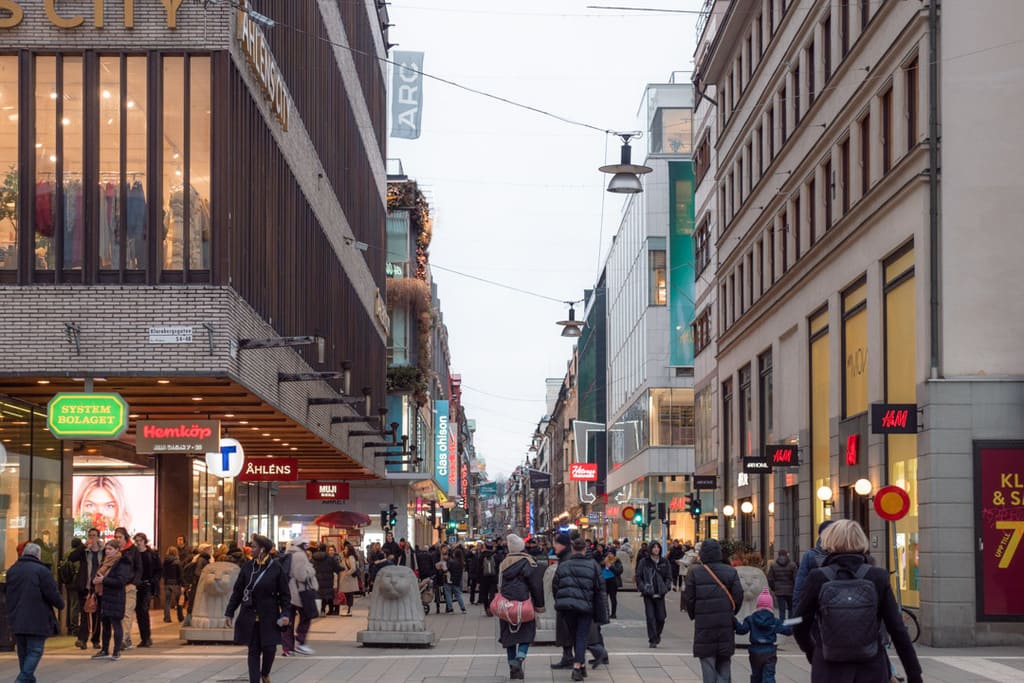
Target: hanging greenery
x,y
407,196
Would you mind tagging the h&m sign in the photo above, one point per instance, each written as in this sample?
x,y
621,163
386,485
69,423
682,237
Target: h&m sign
x,y
12,13
782,455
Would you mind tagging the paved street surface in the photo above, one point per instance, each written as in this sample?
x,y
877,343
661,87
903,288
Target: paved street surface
x,y
466,652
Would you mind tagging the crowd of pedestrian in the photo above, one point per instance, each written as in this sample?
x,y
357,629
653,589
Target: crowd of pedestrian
x,y
110,588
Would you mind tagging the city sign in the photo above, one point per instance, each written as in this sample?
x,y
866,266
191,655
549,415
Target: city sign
x,y
705,482
782,455
327,490
87,416
583,471
487,490
257,52
894,418
539,479
15,14
628,513
756,464
227,460
441,445
270,469
892,503
177,436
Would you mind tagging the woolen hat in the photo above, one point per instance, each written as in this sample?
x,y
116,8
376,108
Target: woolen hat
x,y
31,550
764,600
563,539
515,544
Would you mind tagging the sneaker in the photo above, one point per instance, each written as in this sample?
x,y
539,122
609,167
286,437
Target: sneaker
x,y
287,653
127,645
562,664
115,658
146,643
102,654
450,610
304,649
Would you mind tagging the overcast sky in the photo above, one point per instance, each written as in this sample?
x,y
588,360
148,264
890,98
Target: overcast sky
x,y
516,196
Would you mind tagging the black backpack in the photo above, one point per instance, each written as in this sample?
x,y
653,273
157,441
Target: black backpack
x,y
490,566
847,617
67,572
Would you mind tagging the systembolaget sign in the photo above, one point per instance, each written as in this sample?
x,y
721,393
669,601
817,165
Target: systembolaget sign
x,y
177,436
87,416
12,13
261,61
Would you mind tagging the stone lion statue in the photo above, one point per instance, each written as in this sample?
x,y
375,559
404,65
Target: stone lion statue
x,y
212,594
753,581
395,601
546,619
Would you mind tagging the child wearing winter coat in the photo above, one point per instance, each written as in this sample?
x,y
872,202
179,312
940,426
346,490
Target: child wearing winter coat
x,y
763,627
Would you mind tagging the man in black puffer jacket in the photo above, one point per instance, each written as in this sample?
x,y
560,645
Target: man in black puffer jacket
x,y
713,596
580,599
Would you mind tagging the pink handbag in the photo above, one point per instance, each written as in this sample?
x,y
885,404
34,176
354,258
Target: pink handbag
x,y
513,612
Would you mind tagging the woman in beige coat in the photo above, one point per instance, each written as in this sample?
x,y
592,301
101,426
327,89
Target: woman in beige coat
x,y
348,581
301,577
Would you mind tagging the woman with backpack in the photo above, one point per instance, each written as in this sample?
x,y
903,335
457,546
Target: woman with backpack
x,y
520,579
654,581
844,645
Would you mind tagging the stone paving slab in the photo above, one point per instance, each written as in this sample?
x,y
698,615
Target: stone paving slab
x,y
465,652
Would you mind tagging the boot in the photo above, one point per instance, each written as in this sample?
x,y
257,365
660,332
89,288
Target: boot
x,y
578,674
563,664
515,669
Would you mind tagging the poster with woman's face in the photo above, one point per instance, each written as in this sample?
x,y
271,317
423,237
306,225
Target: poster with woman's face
x,y
109,501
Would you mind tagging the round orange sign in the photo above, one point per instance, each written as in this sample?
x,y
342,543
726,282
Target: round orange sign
x,y
892,503
628,512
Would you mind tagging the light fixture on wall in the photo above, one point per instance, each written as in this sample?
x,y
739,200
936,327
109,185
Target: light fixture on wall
x,y
863,487
746,507
771,508
728,510
825,496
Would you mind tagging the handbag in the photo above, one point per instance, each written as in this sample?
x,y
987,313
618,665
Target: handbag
x,y
91,604
339,598
513,612
308,598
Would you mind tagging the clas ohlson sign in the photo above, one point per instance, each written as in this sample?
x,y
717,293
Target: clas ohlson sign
x,y
87,416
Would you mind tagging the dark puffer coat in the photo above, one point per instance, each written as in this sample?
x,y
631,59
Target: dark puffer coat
x,y
808,636
32,594
782,576
521,578
709,606
578,587
327,566
270,597
112,602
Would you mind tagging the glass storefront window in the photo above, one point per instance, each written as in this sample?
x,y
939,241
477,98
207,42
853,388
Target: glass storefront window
x,y
30,485
135,142
820,468
746,414
110,162
214,513
174,208
9,162
629,434
200,120
703,403
46,163
672,417
855,350
72,161
670,132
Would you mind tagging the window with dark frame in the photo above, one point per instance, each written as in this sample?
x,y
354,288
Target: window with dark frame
x,y
812,203
727,420
865,14
759,32
865,154
702,330
886,107
766,396
910,74
759,135
782,115
844,27
784,240
771,133
826,47
810,75
797,224
760,267
723,310
750,280
743,286
829,191
702,157
702,245
732,298
771,17
746,412
844,175
771,255
796,96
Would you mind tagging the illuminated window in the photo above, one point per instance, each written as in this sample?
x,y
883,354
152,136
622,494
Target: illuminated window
x,y
855,350
9,163
658,278
819,352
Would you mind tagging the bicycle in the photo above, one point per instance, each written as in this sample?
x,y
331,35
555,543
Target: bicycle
x,y
910,620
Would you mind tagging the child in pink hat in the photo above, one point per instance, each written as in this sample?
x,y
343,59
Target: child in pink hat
x,y
763,627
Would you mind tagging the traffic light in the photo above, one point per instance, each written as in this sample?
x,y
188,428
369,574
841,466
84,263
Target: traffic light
x,y
696,506
691,501
392,515
661,512
452,525
433,513
640,516
651,508
384,519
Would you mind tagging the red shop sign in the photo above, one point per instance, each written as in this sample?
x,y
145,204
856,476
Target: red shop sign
x,y
327,490
270,469
999,493
852,442
583,471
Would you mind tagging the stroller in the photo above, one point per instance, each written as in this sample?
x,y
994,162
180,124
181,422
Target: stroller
x,y
426,593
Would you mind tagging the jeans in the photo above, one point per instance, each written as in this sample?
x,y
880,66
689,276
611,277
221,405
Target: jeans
x,y
261,657
144,599
654,609
785,603
30,651
716,669
112,624
172,596
293,633
130,593
515,652
579,625
611,586
453,591
762,666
